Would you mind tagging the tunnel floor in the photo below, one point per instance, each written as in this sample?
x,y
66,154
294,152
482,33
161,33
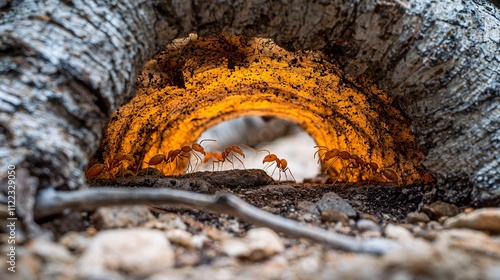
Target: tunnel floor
x,y
386,202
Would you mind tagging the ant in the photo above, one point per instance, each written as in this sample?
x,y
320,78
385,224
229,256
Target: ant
x,y
218,157
355,162
235,149
117,162
155,160
95,170
119,158
390,175
185,150
281,164
387,173
334,154
195,147
221,157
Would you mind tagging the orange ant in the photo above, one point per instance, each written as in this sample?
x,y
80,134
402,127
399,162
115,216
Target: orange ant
x,y
235,149
175,155
390,175
281,164
334,154
155,160
195,147
95,170
218,157
100,168
119,158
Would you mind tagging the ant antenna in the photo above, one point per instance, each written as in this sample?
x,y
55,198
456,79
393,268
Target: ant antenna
x,y
213,140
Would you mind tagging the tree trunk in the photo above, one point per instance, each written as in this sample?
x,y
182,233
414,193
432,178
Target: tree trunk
x,y
67,65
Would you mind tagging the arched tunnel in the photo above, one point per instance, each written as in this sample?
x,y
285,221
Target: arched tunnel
x,y
393,82
199,82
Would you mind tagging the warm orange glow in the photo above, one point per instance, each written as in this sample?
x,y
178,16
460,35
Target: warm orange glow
x,y
337,110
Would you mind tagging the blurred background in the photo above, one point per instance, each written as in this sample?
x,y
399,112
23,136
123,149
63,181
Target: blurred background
x,y
283,138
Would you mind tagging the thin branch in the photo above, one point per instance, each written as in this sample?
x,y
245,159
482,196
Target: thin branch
x,y
51,202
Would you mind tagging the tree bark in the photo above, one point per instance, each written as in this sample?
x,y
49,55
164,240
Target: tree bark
x,y
67,65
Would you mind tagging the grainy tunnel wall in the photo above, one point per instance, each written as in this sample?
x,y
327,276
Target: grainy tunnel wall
x,y
66,66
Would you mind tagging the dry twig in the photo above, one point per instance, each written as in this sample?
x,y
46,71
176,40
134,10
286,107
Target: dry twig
x,y
51,202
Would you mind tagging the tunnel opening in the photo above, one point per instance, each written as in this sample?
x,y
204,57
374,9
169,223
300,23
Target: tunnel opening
x,y
197,83
267,133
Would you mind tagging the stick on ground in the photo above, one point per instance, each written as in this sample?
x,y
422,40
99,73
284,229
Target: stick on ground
x,y
51,202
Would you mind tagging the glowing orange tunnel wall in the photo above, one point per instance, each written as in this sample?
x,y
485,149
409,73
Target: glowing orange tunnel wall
x,y
201,82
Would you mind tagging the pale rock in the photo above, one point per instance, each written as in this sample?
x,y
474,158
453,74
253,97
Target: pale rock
x,y
199,240
474,242
433,225
258,244
274,268
371,234
186,257
341,228
417,217
487,219
139,252
121,216
172,221
74,241
397,233
181,237
50,251
369,217
168,274
57,261
215,234
367,225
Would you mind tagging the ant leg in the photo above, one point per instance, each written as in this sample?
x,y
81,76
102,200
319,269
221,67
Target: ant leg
x,y
232,164
330,164
198,161
274,171
347,177
290,171
268,165
241,162
340,174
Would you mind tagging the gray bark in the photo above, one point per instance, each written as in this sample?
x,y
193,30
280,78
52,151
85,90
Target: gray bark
x,y
67,65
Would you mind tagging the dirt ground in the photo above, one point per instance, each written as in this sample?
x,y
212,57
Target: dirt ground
x,y
202,243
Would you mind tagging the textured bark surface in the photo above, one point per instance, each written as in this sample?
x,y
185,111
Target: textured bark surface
x,y
67,65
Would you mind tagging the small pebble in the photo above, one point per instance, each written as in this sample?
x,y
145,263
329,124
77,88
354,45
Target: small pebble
x,y
438,209
332,201
433,225
258,244
367,225
369,217
486,219
397,232
415,217
180,237
138,252
332,215
121,216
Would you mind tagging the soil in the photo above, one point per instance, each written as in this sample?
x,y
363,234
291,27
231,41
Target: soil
x,y
387,202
